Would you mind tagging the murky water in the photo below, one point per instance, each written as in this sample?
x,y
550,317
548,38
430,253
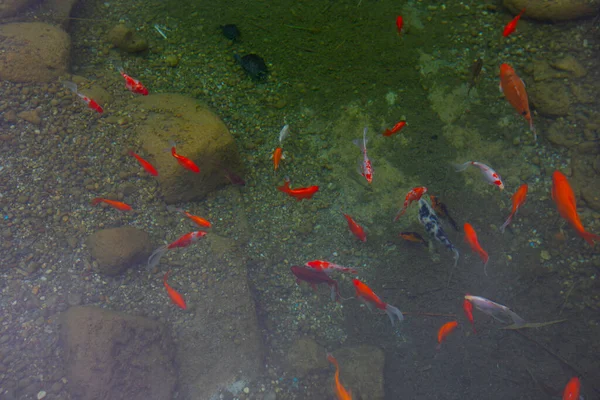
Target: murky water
x,y
334,68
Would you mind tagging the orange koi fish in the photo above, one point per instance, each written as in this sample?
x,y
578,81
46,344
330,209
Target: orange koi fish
x,y
183,241
512,25
444,331
175,296
471,239
468,309
399,26
145,164
367,296
113,203
355,228
518,199
395,129
572,389
277,155
340,390
328,267
195,219
298,193
413,237
563,196
184,161
414,195
514,90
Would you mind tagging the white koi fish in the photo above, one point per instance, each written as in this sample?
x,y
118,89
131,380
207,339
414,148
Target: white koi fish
x,y
489,174
366,169
495,310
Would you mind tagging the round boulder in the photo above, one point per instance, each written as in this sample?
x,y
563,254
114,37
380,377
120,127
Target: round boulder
x,y
557,10
33,52
116,249
199,134
127,39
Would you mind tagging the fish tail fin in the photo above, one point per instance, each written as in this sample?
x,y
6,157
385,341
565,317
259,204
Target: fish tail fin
x,y
332,359
456,255
335,292
155,257
505,224
359,143
518,321
72,86
285,188
392,312
532,129
97,200
462,167
589,237
399,214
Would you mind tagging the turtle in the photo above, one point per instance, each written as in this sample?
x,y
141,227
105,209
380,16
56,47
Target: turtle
x,y
231,32
254,65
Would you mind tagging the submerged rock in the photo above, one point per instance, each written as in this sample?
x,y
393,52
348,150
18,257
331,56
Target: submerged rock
x,y
116,249
111,355
127,39
33,52
254,65
8,8
557,10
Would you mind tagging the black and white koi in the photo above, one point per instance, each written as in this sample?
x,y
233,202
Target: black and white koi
x,y
432,225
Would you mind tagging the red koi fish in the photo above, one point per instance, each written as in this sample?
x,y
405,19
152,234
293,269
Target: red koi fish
x,y
340,391
468,309
471,239
194,218
572,389
399,26
145,164
415,194
512,25
132,84
367,296
328,267
489,174
366,168
174,295
563,196
113,203
395,129
444,331
355,228
277,155
314,277
184,161
298,193
518,199
90,102
514,90
183,241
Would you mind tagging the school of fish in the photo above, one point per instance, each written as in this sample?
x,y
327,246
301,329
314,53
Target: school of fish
x,y
317,272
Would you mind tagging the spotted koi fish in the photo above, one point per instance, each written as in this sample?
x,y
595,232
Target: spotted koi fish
x,y
432,225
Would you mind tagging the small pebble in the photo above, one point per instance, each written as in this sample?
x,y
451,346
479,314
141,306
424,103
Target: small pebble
x,y
41,395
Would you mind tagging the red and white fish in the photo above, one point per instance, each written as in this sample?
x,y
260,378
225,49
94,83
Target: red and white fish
x,y
366,169
489,174
133,84
91,103
183,241
513,88
367,296
329,267
415,194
